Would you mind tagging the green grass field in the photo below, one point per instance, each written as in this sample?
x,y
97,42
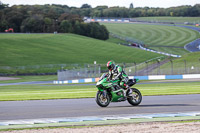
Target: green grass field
x,y
116,40
170,19
41,49
30,78
36,92
156,35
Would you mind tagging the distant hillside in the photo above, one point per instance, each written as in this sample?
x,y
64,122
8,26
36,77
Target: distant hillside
x,y
39,49
169,39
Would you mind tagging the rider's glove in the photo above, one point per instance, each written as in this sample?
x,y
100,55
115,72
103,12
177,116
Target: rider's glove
x,y
135,80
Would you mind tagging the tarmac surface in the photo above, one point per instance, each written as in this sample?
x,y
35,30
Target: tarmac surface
x,y
35,109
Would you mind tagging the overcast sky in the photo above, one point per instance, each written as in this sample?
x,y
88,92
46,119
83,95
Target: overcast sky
x,y
94,3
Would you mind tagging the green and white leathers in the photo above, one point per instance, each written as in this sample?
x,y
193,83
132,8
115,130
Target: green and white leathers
x,y
116,73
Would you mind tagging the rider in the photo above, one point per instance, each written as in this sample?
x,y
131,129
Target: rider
x,y
116,72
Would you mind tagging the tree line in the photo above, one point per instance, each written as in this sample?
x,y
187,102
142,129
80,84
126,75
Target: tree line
x,y
48,19
62,18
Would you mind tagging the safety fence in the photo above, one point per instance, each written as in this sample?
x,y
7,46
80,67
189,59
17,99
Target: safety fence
x,y
157,66
151,67
150,77
165,67
47,69
95,70
87,71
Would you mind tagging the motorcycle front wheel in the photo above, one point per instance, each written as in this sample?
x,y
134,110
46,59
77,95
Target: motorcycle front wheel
x,y
101,100
135,98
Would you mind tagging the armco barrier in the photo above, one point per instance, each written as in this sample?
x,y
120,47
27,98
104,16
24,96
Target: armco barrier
x,y
150,77
163,53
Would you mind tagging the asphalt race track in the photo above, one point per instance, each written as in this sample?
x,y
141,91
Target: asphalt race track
x,y
14,110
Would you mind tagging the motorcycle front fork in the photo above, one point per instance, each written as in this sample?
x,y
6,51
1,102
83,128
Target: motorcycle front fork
x,y
104,93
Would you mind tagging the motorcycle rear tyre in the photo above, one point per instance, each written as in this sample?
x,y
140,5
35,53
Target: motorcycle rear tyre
x,y
130,99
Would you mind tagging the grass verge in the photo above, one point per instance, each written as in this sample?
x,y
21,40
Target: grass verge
x,y
30,79
41,92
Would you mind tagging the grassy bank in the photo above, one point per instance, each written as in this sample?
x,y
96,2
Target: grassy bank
x,y
38,92
156,36
45,49
39,49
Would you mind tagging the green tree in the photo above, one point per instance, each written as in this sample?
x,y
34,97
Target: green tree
x,y
33,24
105,32
85,12
195,11
65,27
15,19
171,14
131,6
98,11
77,28
97,31
2,6
86,6
3,25
48,25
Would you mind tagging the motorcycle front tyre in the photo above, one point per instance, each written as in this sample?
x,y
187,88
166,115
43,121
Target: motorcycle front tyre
x,y
102,101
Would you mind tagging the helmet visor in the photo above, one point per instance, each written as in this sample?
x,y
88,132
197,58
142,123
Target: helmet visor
x,y
109,67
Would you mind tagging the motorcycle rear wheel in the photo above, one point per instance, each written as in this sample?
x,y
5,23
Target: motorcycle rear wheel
x,y
135,98
101,100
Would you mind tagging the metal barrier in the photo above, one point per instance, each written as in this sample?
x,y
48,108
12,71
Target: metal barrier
x,y
89,71
150,67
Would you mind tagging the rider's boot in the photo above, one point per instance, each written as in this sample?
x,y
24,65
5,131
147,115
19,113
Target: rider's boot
x,y
122,99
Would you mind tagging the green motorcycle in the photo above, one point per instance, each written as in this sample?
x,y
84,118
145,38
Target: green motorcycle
x,y
110,91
